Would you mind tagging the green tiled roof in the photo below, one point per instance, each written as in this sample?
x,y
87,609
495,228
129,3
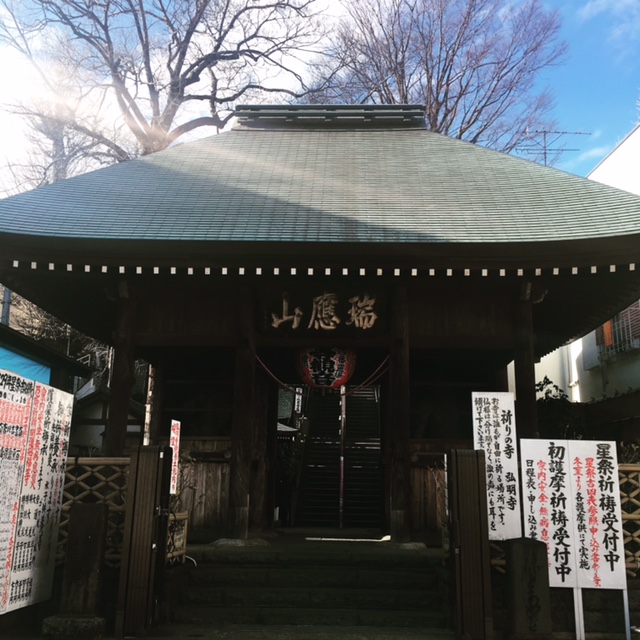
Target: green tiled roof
x,y
325,185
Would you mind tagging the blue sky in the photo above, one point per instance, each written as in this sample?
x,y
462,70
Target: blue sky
x,y
598,87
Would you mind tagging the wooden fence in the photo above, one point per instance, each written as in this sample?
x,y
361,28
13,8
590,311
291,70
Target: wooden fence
x,y
203,494
428,507
630,501
104,480
203,483
93,480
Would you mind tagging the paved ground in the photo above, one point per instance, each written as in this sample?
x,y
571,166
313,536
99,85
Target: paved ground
x,y
275,632
241,632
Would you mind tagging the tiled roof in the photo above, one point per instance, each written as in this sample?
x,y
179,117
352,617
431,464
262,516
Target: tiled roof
x,y
327,185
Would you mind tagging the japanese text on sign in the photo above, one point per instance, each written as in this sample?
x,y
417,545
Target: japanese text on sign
x,y
326,313
326,367
572,503
174,443
33,450
494,432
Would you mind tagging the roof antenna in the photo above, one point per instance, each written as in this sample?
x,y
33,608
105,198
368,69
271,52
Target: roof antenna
x,y
541,145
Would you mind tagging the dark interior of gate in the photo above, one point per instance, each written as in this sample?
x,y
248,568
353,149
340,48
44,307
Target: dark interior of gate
x,y
320,456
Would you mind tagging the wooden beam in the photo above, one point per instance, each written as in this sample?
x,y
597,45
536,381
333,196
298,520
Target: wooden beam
x,y
259,456
272,452
242,421
400,418
155,399
122,376
526,408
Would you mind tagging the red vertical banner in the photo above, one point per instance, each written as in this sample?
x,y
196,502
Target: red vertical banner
x,y
174,443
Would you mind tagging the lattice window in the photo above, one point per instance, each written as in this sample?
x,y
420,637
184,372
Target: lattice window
x,y
630,502
90,481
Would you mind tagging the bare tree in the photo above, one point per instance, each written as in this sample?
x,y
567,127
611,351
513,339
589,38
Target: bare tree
x,y
54,148
27,318
474,64
167,66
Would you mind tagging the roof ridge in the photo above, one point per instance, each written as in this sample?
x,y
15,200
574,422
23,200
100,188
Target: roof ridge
x,y
329,115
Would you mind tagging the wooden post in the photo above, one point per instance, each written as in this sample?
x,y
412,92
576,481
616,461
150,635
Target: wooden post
x,y
385,443
82,579
259,460
399,431
272,451
81,602
242,421
122,375
144,543
470,557
526,408
155,399
527,594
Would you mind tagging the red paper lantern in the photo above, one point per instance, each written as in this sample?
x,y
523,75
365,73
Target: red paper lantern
x,y
326,368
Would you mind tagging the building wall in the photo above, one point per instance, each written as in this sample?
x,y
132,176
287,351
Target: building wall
x,y
578,368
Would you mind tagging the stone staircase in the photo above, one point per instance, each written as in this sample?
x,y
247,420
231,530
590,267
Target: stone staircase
x,y
363,470
318,500
319,582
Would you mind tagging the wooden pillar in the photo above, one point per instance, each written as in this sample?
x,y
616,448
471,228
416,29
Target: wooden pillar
x,y
155,401
272,451
242,421
399,429
259,457
122,374
526,408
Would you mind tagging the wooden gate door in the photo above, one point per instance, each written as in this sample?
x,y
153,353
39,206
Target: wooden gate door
x,y
471,566
145,540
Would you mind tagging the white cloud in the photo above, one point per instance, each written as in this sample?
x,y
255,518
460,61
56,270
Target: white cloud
x,y
594,8
623,17
594,153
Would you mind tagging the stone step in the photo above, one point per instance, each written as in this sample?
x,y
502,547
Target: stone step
x,y
317,598
378,555
314,582
197,615
319,576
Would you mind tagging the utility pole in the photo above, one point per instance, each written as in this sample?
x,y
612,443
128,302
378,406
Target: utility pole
x,y
541,144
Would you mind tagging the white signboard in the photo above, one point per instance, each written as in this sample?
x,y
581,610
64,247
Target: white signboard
x,y
174,443
16,396
571,501
494,431
34,434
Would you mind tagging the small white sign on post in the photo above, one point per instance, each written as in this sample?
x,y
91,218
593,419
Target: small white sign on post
x,y
494,431
174,443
